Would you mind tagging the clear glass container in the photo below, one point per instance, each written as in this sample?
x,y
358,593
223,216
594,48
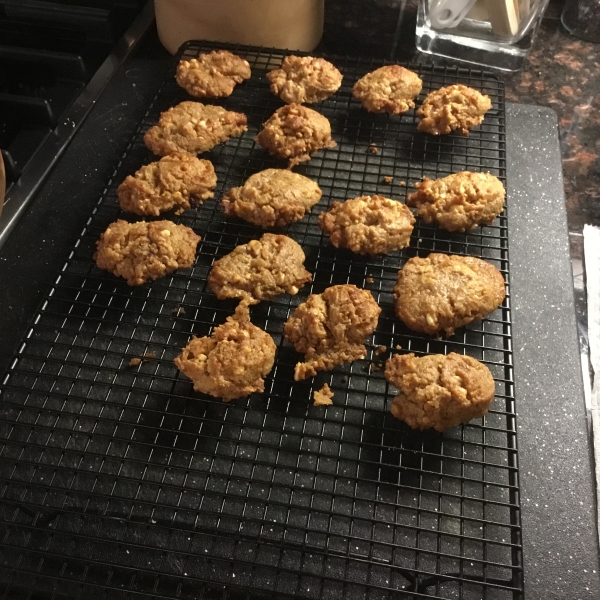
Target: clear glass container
x,y
485,36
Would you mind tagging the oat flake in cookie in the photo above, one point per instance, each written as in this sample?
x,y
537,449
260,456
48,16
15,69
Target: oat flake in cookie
x,y
368,224
304,79
441,293
193,127
233,361
294,132
391,89
437,391
260,270
272,198
142,251
459,202
212,75
175,181
330,328
456,107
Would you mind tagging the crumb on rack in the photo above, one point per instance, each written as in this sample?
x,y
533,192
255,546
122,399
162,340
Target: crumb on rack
x,y
373,149
376,366
345,379
402,183
178,310
137,361
398,347
323,397
380,350
369,280
388,179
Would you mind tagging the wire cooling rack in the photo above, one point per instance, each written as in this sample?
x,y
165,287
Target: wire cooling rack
x,y
121,482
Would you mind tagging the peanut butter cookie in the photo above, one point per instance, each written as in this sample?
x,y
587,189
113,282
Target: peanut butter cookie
x,y
193,127
212,75
175,181
272,198
304,79
294,132
437,391
391,89
453,107
441,293
142,251
233,361
459,202
260,270
368,224
330,328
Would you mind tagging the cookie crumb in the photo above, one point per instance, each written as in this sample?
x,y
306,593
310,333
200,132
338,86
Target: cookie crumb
x,y
388,179
376,366
369,280
373,149
402,183
178,310
323,397
345,379
398,347
380,350
137,361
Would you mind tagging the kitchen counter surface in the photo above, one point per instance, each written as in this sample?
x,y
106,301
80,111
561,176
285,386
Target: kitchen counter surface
x,y
570,85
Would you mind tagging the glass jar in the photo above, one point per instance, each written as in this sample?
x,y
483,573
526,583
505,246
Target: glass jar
x,y
582,19
494,33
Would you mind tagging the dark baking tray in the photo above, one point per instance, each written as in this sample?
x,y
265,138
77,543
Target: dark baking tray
x,y
121,482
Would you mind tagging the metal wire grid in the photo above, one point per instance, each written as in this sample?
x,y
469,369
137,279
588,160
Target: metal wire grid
x,y
121,482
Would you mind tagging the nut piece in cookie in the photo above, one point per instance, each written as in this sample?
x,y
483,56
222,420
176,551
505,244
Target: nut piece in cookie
x,y
294,132
391,89
272,198
175,181
304,79
438,391
368,224
330,328
145,251
260,270
193,127
441,293
232,362
453,107
212,75
459,202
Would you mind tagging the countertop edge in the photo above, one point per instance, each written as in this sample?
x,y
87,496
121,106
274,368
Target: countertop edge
x,y
556,479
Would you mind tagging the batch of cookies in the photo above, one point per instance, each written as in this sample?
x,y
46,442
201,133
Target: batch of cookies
x,y
433,295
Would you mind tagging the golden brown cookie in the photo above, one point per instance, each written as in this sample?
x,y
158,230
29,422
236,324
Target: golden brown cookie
x,y
459,202
391,89
304,79
272,198
441,293
233,361
260,270
212,75
453,107
145,251
175,181
368,224
193,127
294,132
439,391
330,328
